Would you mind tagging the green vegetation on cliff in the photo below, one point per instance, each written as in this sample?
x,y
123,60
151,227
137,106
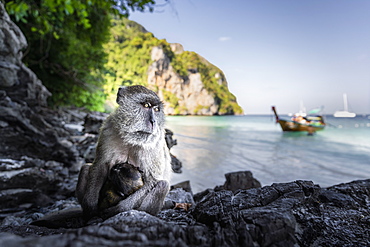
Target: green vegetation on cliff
x,y
129,59
129,50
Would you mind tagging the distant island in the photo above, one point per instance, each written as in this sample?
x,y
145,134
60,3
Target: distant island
x,y
186,82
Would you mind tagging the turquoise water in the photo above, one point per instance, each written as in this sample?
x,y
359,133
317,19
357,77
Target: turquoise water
x,y
209,147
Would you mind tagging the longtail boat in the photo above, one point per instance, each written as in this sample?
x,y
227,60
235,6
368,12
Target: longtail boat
x,y
311,124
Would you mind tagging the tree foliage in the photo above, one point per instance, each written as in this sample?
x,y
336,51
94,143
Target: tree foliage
x,y
66,40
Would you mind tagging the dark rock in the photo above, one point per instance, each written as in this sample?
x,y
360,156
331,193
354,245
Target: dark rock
x,y
199,196
359,191
27,132
179,195
33,182
20,199
285,214
176,164
169,139
93,122
214,207
239,180
183,185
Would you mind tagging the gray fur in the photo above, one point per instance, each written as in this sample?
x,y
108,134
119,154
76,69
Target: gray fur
x,y
134,133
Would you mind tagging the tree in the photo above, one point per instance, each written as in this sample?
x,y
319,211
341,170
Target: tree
x,y
66,44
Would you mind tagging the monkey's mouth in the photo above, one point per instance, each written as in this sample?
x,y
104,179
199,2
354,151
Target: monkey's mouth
x,y
142,132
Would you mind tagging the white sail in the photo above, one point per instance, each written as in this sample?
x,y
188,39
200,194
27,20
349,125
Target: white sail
x,y
345,112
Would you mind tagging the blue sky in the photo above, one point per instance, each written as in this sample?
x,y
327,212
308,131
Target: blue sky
x,y
277,52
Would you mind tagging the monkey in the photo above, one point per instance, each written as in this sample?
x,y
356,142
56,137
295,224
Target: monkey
x,y
123,180
134,133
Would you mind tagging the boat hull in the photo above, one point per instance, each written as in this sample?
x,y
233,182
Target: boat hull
x,y
344,114
311,124
295,126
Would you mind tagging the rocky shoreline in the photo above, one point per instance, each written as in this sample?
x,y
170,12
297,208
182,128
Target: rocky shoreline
x,y
298,213
42,150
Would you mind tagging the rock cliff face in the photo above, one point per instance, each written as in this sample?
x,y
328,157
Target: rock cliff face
x,y
186,82
192,96
19,81
23,121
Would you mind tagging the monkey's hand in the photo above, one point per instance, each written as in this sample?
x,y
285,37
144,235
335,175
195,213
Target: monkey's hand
x,y
149,198
89,207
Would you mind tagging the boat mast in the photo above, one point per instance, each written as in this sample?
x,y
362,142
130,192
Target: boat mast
x,y
345,102
276,115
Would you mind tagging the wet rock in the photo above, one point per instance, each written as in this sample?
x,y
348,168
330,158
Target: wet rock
x,y
93,122
28,132
284,214
21,199
185,185
179,195
169,139
176,164
239,180
32,183
86,145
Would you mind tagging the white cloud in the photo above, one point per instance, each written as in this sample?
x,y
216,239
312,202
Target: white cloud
x,y
222,39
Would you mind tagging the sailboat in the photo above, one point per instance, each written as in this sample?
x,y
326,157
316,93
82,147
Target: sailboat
x,y
345,112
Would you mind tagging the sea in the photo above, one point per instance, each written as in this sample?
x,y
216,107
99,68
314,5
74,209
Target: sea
x,y
211,146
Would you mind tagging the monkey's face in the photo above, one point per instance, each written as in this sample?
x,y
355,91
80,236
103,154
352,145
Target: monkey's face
x,y
141,117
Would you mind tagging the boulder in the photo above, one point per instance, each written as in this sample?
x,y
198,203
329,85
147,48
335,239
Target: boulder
x,y
239,180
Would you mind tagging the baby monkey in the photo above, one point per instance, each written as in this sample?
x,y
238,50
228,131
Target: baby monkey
x,y
123,180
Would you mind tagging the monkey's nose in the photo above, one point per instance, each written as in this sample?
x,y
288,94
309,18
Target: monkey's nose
x,y
152,117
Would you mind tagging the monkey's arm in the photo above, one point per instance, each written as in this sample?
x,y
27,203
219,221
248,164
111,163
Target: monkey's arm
x,y
82,182
148,198
95,179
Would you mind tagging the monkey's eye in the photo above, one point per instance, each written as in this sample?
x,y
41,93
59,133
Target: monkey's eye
x,y
146,105
156,108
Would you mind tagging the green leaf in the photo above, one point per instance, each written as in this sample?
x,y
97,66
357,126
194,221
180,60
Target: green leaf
x,y
56,36
69,9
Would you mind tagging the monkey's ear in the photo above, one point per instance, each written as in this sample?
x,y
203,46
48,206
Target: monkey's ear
x,y
120,93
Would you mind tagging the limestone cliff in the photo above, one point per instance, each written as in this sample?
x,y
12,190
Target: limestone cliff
x,y
186,82
190,95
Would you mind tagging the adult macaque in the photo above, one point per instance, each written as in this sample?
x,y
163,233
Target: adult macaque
x,y
133,134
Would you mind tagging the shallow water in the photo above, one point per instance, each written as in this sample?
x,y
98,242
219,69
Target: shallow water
x,y
209,147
